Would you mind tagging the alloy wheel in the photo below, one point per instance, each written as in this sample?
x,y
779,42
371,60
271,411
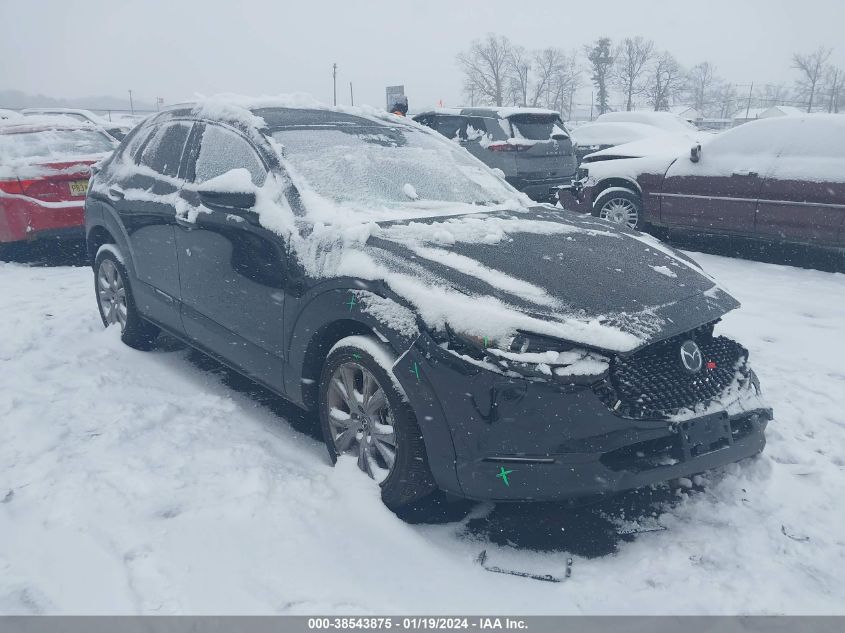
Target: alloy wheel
x,y
111,293
620,211
360,419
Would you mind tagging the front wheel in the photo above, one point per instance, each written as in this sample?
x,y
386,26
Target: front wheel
x,y
116,303
363,414
620,206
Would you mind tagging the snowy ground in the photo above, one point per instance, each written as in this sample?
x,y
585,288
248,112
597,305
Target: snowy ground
x,y
160,483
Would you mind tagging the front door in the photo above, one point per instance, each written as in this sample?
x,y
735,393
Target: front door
x,y
719,193
803,198
231,269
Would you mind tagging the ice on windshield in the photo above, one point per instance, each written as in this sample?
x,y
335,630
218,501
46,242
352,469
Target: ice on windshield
x,y
379,166
53,143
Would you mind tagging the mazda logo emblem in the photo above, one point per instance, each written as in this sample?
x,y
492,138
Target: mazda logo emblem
x,y
691,357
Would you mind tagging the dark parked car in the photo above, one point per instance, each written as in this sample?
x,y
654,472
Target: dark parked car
x,y
777,180
448,337
531,146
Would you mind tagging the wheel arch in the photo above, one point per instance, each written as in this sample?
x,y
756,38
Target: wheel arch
x,y
617,181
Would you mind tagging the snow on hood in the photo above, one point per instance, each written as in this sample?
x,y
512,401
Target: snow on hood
x,y
660,144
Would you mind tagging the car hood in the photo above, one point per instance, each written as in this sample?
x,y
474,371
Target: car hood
x,y
658,145
548,272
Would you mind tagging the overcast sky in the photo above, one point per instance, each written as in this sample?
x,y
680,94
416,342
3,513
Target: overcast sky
x,y
178,48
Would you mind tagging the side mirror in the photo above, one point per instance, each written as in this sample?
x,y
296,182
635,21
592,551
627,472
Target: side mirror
x,y
232,190
227,199
695,153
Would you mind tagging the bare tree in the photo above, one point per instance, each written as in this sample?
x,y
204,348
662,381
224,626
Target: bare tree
x,y
600,56
811,67
548,64
519,69
724,99
629,72
773,94
665,81
486,67
834,88
566,84
700,85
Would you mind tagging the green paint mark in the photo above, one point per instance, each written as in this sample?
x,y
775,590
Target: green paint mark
x,y
485,342
503,474
416,370
356,356
351,302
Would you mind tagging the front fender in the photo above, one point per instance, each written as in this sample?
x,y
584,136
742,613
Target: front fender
x,y
341,308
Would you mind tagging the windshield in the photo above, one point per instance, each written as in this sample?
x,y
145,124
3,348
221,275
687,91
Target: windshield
x,y
54,143
368,166
536,127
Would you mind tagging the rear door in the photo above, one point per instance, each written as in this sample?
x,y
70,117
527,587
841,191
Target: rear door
x,y
232,270
803,197
719,193
146,199
546,149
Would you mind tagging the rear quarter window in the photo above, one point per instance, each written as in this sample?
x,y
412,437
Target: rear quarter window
x,y
163,153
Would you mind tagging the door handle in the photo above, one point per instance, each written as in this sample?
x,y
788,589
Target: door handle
x,y
745,172
116,194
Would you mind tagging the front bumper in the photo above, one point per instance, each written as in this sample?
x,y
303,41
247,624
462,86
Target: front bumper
x,y
540,190
520,440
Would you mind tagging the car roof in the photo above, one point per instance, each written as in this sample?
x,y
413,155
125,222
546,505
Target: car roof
x,y
272,117
485,111
44,123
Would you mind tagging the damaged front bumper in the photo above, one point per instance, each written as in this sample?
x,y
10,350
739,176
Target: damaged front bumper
x,y
519,439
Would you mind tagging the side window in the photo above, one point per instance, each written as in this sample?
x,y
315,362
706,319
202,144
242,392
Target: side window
x,y
164,151
135,142
222,150
453,127
476,129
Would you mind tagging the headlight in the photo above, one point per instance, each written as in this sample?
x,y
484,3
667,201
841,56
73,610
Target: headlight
x,y
531,355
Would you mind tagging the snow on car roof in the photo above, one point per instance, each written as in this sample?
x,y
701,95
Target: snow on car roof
x,y
34,123
613,133
664,120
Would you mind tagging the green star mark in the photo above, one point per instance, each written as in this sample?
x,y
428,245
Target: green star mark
x,y
351,302
486,345
416,370
504,475
356,356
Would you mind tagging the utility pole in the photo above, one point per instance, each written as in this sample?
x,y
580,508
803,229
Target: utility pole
x,y
748,108
334,82
159,102
351,96
592,101
131,106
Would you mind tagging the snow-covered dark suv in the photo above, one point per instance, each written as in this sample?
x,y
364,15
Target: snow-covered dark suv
x,y
449,333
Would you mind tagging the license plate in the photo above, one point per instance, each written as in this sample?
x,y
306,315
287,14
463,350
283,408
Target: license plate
x,y
78,187
706,435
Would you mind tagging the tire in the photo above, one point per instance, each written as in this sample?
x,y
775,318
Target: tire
x,y
365,433
620,206
116,303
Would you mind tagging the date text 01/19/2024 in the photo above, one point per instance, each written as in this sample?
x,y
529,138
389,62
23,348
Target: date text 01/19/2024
x,y
416,623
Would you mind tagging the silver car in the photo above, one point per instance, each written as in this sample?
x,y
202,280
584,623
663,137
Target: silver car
x,y
531,146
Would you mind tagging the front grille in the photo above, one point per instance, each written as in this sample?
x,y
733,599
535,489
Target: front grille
x,y
653,384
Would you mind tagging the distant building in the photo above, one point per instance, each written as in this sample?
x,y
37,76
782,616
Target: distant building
x,y
687,112
744,115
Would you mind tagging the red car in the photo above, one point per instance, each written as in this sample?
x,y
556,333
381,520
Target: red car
x,y
775,180
44,170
